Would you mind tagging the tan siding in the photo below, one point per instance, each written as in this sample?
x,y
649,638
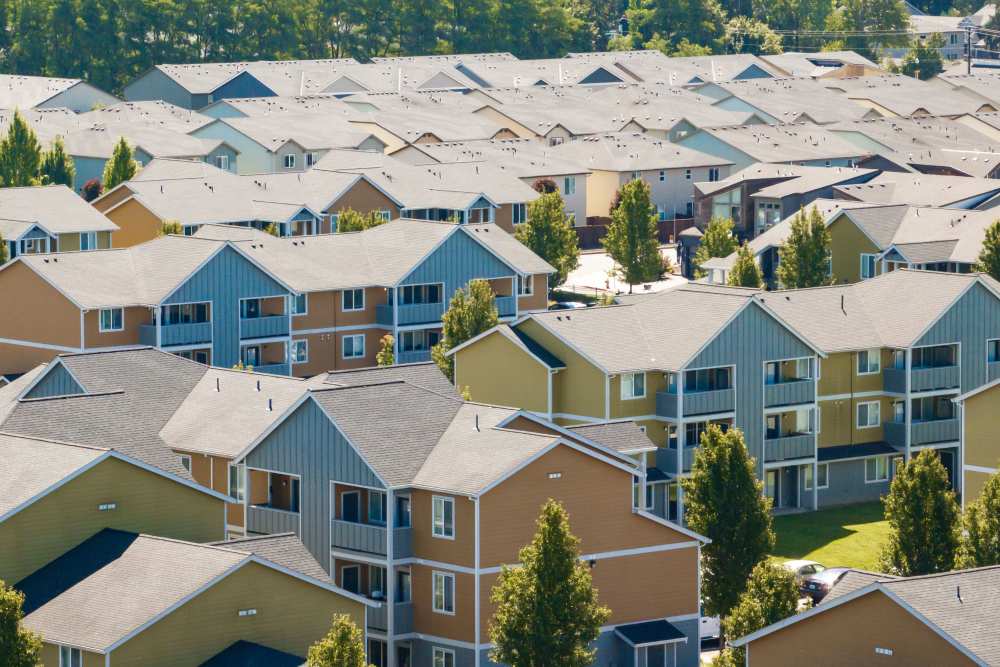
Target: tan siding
x,y
539,299
69,242
374,296
498,372
136,223
639,406
35,311
982,447
973,484
501,119
461,625
146,502
50,657
112,198
291,615
129,335
838,425
459,551
504,218
601,188
579,388
847,242
364,198
838,374
321,313
849,635
322,355
16,359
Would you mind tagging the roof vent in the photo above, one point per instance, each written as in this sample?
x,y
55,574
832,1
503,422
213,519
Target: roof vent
x,y
270,405
477,422
258,385
218,386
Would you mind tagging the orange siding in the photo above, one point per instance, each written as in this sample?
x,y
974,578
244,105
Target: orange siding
x,y
459,551
364,198
129,335
137,224
462,624
539,299
35,311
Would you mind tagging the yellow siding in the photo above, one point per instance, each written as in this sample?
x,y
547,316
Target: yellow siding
x,y
147,503
291,615
838,374
982,448
838,423
50,657
636,407
578,389
847,242
973,485
137,224
601,188
498,372
69,242
505,121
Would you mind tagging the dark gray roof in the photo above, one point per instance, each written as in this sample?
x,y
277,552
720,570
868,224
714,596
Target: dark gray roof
x,y
851,581
426,375
284,549
650,632
622,436
549,359
248,654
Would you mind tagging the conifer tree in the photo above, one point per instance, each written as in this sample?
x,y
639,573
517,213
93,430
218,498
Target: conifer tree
x,y
549,233
632,238
57,167
470,312
20,154
717,241
121,167
745,271
804,257
981,523
989,255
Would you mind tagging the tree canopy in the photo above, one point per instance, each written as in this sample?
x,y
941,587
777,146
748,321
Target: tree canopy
x,y
989,255
804,257
632,238
57,166
981,527
717,241
771,595
350,220
18,647
745,272
20,154
343,645
549,233
120,167
470,312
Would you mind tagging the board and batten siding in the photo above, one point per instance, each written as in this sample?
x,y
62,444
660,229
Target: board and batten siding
x,y
155,85
224,280
57,381
751,339
457,261
308,444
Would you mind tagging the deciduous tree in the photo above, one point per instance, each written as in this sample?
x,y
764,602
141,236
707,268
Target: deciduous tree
x,y
20,154
717,241
923,61
805,254
470,312
745,271
350,220
18,646
989,255
168,227
981,524
386,355
121,167
343,645
547,611
549,233
632,238
772,595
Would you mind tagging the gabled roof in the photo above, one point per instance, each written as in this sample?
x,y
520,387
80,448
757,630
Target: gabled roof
x,y
56,208
249,654
24,92
624,436
426,375
284,549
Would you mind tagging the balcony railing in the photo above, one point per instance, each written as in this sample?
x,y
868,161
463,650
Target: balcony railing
x,y
271,521
696,402
402,617
798,446
370,538
922,379
411,313
666,459
922,432
790,392
413,356
176,334
270,326
273,369
506,305
992,370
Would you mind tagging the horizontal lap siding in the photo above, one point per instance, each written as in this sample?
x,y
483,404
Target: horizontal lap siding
x,y
35,311
461,625
982,448
459,551
498,372
577,389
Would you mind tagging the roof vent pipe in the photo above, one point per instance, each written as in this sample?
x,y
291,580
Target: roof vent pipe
x,y
477,422
218,387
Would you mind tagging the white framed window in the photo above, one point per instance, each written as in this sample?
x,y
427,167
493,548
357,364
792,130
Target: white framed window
x,y
993,350
88,240
300,351
867,265
385,214
663,176
186,462
443,517
569,185
376,581
869,362
636,175
687,174
352,299
443,657
70,657
636,486
519,213
112,319
633,386
222,162
289,160
713,174
310,159
661,212
300,304
525,285
876,469
868,414
376,507
444,592
237,479
353,346
822,474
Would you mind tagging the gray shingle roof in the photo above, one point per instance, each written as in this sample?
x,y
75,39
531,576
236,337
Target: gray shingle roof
x,y
284,549
31,466
55,207
623,436
426,375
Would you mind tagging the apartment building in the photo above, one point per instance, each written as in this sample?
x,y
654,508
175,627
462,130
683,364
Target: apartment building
x,y
229,295
977,415
50,219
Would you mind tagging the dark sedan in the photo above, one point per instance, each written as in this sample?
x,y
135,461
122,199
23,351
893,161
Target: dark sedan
x,y
818,585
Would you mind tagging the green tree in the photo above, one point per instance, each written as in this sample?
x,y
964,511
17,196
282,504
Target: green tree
x,y
745,271
470,312
350,220
923,518
272,229
173,227
748,35
121,167
3,251
57,167
870,25
717,241
725,502
549,233
632,238
697,22
547,612
923,61
989,255
386,355
772,595
981,523
343,645
804,257
18,647
20,154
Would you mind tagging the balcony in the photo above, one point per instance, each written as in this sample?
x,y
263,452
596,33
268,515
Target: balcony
x,y
922,379
506,305
666,459
411,313
789,447
922,432
270,326
790,392
696,403
176,334
271,521
370,538
992,370
402,617
413,357
273,369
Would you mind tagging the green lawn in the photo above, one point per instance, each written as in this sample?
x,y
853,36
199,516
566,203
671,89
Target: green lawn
x,y
848,536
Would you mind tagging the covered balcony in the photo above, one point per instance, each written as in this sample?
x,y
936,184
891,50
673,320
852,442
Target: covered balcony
x,y
933,422
790,435
369,580
274,502
359,522
262,318
418,304
706,391
789,382
931,368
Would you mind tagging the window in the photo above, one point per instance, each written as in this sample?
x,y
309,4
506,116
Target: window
x,y
661,212
378,654
636,175
569,185
993,350
868,362
222,162
519,213
689,209
385,214
411,294
443,657
376,507
633,386
289,160
525,285
354,346
185,313
868,414
353,299
310,159
687,174
443,519
867,265
444,593
713,173
186,462
249,308
420,340
636,486
300,351
822,473
376,581
876,469
555,141
300,304
237,478
70,657
111,319
88,241
663,176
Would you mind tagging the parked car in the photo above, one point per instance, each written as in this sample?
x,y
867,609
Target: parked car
x,y
802,569
568,305
710,630
818,585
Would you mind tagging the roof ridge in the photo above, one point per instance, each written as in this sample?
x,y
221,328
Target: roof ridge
x,y
85,394
939,575
53,441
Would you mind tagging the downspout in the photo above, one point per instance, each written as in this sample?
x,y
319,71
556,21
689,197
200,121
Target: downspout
x,y
907,407
83,335
607,397
390,575
476,565
681,437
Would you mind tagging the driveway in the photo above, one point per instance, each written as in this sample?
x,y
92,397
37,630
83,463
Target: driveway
x,y
593,275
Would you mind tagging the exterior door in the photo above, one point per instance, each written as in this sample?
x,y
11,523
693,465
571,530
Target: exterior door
x,y
772,487
350,578
350,507
948,461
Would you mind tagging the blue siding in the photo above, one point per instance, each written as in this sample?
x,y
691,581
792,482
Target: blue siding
x,y
155,85
87,168
57,381
457,261
973,320
749,341
846,485
308,444
224,280
753,72
600,75
243,84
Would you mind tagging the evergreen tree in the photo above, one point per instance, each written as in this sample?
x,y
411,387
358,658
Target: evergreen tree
x,y
923,519
173,227
772,595
121,167
745,271
272,229
386,355
18,647
547,612
20,154
549,233
725,502
350,220
923,61
981,534
989,256
57,167
717,241
804,257
470,312
748,35
343,645
632,238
